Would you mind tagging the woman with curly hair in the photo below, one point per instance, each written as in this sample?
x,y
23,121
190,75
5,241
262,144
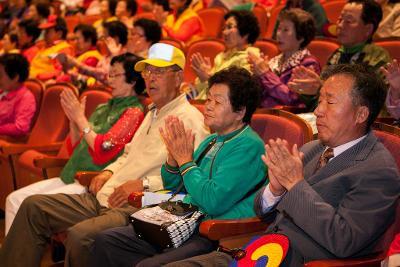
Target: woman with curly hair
x,y
240,31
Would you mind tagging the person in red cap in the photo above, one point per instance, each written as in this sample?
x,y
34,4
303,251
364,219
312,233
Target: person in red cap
x,y
44,66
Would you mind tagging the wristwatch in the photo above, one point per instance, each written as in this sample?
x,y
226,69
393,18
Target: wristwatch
x,y
146,184
86,130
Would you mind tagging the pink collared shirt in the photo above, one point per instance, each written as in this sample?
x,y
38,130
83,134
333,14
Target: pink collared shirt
x,y
17,108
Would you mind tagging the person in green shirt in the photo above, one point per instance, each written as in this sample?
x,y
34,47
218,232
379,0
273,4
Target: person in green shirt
x,y
95,142
221,177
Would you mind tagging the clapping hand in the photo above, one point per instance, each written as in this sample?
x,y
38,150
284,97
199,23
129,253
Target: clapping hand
x,y
304,81
285,168
392,73
74,110
178,140
258,65
201,66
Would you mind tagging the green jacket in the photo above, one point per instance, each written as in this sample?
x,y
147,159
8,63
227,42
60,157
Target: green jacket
x,y
219,184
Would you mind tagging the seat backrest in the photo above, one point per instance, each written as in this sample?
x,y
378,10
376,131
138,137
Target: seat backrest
x,y
72,21
93,99
51,124
281,124
37,88
208,48
392,46
262,17
322,49
390,137
273,17
213,20
268,47
333,9
174,42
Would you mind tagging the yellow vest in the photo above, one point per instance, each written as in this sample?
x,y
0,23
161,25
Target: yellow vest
x,y
42,63
176,25
88,54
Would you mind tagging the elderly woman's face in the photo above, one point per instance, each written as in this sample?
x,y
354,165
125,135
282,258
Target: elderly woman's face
x,y
231,35
117,81
218,114
286,37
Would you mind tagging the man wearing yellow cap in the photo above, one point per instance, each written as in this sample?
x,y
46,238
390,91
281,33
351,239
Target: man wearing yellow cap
x,y
105,205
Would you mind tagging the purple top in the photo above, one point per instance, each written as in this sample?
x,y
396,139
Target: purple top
x,y
17,108
275,89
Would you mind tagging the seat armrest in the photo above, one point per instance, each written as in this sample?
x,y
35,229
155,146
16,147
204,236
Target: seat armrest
x,y
85,178
50,162
218,229
135,199
12,149
367,261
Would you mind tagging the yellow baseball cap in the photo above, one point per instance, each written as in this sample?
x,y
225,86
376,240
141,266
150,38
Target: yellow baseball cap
x,y
162,55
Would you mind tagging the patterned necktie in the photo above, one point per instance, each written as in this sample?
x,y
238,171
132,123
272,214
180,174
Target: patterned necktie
x,y
323,160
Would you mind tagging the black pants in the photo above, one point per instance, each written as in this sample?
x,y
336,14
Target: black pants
x,y
121,247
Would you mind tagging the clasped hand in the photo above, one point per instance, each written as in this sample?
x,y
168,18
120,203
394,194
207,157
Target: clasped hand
x,y
178,141
304,81
285,168
74,110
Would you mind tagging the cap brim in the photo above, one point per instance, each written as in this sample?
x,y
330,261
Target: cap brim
x,y
154,62
46,25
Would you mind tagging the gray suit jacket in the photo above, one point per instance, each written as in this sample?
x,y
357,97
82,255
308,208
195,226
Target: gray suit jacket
x,y
342,209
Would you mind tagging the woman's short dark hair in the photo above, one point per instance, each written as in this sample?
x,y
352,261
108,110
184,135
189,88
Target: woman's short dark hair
x,y
88,32
31,28
112,5
244,89
304,24
13,38
61,25
128,60
15,64
117,29
247,24
43,9
163,3
369,89
152,30
131,7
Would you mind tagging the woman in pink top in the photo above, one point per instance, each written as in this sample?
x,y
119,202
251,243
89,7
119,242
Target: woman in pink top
x,y
17,103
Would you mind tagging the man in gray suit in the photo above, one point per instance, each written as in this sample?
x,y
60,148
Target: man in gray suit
x,y
336,196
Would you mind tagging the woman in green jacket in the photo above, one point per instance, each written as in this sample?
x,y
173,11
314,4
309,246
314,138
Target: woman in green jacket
x,y
221,177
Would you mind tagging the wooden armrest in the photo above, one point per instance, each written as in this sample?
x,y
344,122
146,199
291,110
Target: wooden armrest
x,y
19,148
135,199
50,162
218,229
367,261
84,178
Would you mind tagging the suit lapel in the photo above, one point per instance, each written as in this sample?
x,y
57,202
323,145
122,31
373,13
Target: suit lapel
x,y
348,158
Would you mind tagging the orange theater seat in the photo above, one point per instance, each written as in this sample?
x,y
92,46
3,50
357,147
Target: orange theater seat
x,y
268,47
208,48
213,20
48,133
322,49
34,165
392,45
333,9
262,17
174,42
